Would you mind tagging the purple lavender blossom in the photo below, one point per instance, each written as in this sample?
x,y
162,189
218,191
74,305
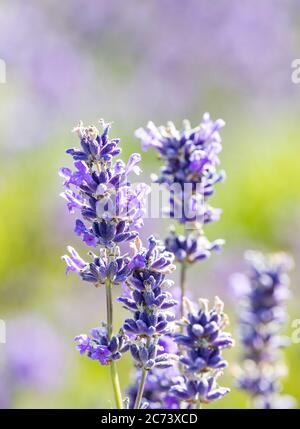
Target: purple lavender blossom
x,y
101,269
192,248
73,261
99,347
111,210
262,313
150,302
202,343
188,153
103,194
191,158
110,206
205,390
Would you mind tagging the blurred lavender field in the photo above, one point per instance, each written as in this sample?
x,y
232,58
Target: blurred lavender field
x,y
130,62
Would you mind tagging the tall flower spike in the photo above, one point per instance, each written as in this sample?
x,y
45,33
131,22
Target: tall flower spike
x,y
262,313
111,210
202,341
189,173
150,303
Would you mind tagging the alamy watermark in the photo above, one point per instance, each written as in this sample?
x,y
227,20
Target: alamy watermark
x,y
295,337
295,76
2,71
177,201
2,332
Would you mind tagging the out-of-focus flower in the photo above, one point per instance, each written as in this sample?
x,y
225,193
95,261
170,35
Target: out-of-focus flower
x,y
262,314
48,64
33,355
46,75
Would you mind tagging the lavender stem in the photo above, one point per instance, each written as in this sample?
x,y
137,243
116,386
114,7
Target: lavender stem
x,y
139,396
113,368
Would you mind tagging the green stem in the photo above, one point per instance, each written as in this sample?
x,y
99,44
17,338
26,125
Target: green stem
x,y
139,396
116,385
113,368
109,309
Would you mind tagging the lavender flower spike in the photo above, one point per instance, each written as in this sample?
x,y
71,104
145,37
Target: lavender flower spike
x,y
202,343
110,210
150,303
262,313
189,173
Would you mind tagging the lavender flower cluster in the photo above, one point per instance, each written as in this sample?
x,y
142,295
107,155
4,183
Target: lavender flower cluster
x,y
190,158
189,174
157,391
262,314
108,202
150,302
201,343
178,355
99,347
112,210
191,248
